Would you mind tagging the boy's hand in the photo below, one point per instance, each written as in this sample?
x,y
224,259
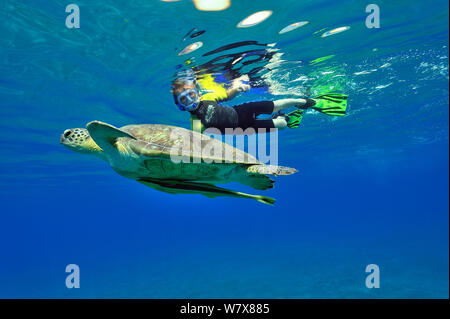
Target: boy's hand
x,y
238,84
243,78
242,87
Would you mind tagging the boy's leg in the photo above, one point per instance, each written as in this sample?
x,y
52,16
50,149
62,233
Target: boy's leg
x,y
247,113
268,107
282,104
334,104
279,123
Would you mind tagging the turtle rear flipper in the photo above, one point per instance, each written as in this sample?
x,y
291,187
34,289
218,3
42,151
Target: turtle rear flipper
x,y
208,190
257,181
271,170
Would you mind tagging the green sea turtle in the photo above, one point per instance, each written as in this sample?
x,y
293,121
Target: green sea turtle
x,y
174,160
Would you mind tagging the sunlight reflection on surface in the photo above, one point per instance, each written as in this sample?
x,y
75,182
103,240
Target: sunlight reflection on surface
x,y
293,26
335,31
212,5
254,19
191,47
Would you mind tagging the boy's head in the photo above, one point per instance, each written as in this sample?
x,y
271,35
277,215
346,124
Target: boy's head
x,y
185,93
182,84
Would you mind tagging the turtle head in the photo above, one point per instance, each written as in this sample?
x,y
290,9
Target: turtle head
x,y
79,140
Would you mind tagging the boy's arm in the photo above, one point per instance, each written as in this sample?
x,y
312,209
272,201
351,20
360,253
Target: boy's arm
x,y
237,86
233,91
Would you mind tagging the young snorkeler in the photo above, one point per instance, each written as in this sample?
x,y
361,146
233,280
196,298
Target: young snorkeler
x,y
200,96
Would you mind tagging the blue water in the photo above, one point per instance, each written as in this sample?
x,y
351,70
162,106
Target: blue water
x,y
372,186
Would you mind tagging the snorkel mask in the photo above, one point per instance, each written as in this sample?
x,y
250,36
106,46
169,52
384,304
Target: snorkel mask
x,y
187,100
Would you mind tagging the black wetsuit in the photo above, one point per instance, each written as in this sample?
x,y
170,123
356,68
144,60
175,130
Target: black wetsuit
x,y
213,115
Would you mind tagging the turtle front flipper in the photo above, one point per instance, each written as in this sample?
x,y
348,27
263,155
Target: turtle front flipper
x,y
208,190
105,135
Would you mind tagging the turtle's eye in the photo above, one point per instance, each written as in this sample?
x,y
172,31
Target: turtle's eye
x,y
67,134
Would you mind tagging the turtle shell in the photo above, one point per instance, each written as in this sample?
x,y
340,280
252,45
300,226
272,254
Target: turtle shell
x,y
156,140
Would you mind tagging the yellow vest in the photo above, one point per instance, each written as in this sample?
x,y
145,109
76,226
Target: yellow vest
x,y
212,91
